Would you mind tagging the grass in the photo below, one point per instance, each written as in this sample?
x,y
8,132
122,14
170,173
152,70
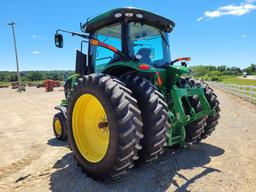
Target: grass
x,y
5,83
23,82
238,81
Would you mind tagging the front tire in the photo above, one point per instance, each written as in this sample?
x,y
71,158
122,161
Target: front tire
x,y
103,126
59,127
195,129
211,121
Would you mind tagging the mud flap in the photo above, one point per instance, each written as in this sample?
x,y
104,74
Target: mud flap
x,y
62,109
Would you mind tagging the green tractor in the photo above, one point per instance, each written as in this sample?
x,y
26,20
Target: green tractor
x,y
128,100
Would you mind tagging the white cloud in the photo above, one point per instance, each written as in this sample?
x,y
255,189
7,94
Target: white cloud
x,y
36,52
232,9
244,35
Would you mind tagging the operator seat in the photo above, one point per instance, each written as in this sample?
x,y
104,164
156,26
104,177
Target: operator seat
x,y
114,59
145,55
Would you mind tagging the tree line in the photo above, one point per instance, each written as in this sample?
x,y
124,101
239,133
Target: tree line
x,y
215,73
7,76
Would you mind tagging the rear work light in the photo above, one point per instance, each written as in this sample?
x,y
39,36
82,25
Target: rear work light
x,y
117,15
139,15
128,14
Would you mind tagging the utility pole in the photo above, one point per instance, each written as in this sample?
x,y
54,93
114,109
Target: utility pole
x,y
16,54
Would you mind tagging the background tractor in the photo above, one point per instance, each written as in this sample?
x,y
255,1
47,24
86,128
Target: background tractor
x,y
128,100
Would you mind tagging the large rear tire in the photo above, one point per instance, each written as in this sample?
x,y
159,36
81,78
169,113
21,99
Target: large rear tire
x,y
103,126
154,116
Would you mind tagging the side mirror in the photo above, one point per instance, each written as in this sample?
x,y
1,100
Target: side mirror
x,y
58,40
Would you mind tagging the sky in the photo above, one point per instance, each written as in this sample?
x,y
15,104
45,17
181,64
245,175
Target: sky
x,y
219,32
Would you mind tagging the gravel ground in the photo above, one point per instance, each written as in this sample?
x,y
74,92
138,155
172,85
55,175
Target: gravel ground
x,y
32,160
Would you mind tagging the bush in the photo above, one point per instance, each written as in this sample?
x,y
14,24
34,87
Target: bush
x,y
6,76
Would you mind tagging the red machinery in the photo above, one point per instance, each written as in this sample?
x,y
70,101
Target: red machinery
x,y
56,83
49,85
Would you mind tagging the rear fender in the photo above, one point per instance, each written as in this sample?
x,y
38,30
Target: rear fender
x,y
62,109
119,68
174,70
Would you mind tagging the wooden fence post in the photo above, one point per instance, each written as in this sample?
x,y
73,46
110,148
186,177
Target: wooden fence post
x,y
244,93
251,95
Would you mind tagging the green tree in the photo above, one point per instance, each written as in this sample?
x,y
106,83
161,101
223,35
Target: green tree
x,y
35,76
222,68
251,69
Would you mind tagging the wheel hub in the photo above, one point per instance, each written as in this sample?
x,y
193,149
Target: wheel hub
x,y
57,126
90,128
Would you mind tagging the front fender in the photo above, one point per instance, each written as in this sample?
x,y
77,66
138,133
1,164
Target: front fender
x,y
62,109
175,69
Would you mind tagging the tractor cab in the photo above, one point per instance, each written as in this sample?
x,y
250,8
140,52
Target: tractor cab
x,y
140,36
145,44
126,36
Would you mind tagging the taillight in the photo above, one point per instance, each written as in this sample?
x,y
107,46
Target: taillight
x,y
144,67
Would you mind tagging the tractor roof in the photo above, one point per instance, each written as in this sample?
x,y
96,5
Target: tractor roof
x,y
132,14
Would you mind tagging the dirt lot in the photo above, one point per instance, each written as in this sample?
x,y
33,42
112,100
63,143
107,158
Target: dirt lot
x,y
32,160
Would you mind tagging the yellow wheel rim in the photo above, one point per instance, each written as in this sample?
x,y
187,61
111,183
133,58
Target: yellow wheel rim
x,y
57,127
90,128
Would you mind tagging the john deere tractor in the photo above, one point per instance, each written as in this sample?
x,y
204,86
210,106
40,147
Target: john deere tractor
x,y
128,100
